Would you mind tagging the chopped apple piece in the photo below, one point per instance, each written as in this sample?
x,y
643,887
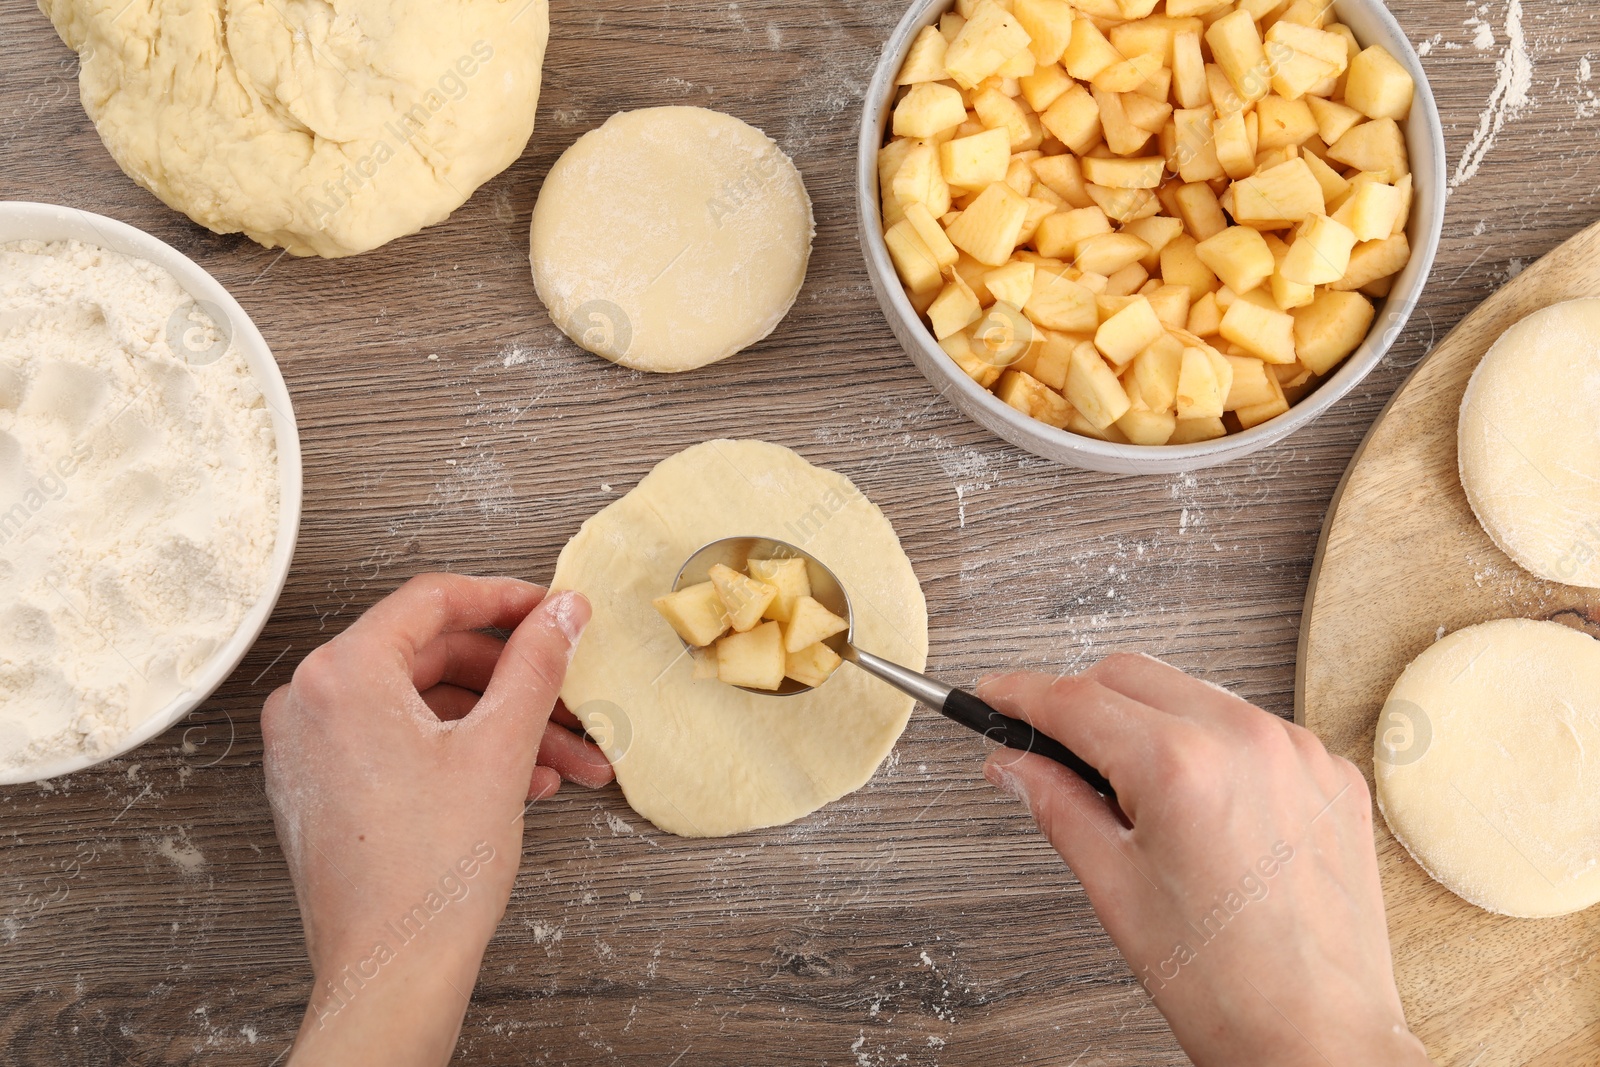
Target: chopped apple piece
x,y
1180,265
1284,122
810,623
976,161
1250,386
1378,86
1145,427
1093,388
954,309
754,660
1063,175
1331,328
1193,431
991,36
919,180
1044,86
1374,210
1033,398
1334,120
1011,284
1262,332
812,665
1374,260
1320,254
913,261
1058,302
695,612
1074,120
929,108
1377,147
1128,332
988,229
1333,183
1124,173
1236,44
1200,394
1049,25
925,61
1171,304
1239,256
1156,370
1060,235
932,235
1255,414
1235,148
1196,149
790,577
1124,205
1128,75
1284,194
744,598
1108,253
1088,53
973,364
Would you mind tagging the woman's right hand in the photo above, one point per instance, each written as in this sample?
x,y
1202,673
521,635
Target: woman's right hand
x,y
1236,870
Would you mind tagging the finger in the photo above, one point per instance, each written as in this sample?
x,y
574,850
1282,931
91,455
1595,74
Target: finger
x,y
1114,734
1081,824
575,759
1166,688
543,784
528,677
464,658
431,604
450,702
565,718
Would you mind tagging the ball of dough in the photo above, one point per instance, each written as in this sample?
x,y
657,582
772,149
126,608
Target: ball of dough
x,y
1485,759
1530,443
326,129
700,758
670,238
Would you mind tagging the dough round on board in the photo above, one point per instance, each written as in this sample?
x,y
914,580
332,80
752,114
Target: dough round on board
x,y
1530,443
670,238
700,758
326,129
1485,759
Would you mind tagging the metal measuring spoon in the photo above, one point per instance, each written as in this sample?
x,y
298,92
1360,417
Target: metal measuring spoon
x,y
953,703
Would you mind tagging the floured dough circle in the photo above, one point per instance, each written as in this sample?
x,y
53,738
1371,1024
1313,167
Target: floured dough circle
x,y
326,129
670,238
1486,759
1530,443
700,758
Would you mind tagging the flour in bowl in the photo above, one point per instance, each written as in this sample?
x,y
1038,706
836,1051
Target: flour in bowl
x,y
138,496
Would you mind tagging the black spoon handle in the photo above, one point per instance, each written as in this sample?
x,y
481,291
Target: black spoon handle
x,y
974,714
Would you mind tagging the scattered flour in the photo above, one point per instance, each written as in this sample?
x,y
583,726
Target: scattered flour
x,y
1512,93
138,496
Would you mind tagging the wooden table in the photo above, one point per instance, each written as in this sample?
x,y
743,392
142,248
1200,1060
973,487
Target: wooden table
x,y
869,934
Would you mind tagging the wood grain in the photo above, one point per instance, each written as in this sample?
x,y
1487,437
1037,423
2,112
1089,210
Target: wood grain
x,y
1403,560
802,945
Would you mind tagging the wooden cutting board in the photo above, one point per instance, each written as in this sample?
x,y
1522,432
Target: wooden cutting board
x,y
1402,561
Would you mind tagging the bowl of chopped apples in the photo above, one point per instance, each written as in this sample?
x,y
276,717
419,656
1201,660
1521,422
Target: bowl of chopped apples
x,y
1149,242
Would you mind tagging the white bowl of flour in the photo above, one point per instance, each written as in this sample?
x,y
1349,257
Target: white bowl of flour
x,y
149,488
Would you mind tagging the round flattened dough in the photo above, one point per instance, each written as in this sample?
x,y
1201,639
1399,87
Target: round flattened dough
x,y
1530,443
324,129
699,758
1491,773
670,238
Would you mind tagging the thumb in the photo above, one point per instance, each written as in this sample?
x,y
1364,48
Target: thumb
x,y
527,679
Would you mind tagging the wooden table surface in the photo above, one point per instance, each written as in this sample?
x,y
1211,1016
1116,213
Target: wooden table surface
x,y
919,921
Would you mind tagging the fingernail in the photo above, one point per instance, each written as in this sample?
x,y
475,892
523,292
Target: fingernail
x,y
570,612
1003,780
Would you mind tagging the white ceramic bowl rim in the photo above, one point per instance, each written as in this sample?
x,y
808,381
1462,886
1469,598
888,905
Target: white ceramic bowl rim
x,y
1372,23
20,221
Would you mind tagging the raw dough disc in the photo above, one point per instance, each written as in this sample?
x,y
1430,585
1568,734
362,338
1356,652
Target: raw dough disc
x,y
324,128
670,238
1487,756
1530,443
702,759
